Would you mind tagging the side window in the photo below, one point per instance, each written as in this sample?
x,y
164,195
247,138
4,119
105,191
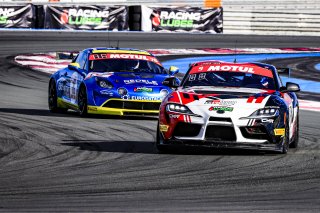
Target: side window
x,y
81,59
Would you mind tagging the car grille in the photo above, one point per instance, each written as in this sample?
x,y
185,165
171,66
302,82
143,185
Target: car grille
x,y
186,130
220,133
119,104
220,119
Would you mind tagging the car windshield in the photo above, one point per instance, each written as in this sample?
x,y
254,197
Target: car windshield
x,y
229,79
126,65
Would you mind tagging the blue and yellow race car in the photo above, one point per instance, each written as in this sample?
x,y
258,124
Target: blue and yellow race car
x,y
110,81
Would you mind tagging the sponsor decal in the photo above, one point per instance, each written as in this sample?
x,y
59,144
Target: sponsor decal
x,y
141,98
140,81
221,108
266,120
220,102
5,13
142,89
175,116
180,19
83,16
106,92
163,128
279,132
251,69
102,56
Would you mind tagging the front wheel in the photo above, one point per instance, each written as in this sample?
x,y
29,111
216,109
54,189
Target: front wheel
x,y
159,147
285,144
294,143
82,102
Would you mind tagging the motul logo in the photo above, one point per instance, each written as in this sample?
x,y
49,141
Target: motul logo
x,y
231,68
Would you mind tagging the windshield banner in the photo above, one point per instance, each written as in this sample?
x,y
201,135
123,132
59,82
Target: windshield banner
x,y
103,56
17,16
113,18
181,19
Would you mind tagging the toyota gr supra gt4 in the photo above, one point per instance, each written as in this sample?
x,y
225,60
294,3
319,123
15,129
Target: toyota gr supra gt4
x,y
110,81
230,105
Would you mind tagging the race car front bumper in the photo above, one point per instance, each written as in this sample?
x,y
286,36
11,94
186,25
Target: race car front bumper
x,y
126,107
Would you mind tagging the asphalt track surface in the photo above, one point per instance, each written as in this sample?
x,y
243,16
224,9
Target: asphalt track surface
x,y
64,163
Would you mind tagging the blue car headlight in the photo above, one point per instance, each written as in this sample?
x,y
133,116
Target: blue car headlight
x,y
178,108
122,91
104,83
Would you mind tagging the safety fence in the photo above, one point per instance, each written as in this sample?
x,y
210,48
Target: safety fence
x,y
290,17
112,18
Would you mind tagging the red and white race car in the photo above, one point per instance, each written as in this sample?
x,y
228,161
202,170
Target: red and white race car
x,y
230,105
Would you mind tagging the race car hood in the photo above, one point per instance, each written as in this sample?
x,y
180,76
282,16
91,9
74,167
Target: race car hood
x,y
129,78
222,101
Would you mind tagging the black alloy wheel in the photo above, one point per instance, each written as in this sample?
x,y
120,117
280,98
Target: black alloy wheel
x,y
82,101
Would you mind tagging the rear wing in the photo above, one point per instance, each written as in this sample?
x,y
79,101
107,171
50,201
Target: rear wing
x,y
284,71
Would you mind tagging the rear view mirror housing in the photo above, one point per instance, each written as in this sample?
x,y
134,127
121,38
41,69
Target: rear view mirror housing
x,y
171,82
290,87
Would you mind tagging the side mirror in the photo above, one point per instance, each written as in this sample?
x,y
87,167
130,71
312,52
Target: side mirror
x,y
76,67
171,82
173,70
290,87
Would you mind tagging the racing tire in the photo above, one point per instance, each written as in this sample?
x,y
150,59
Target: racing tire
x,y
294,143
285,145
82,101
53,99
160,148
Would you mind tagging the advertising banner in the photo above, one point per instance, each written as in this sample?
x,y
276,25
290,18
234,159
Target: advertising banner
x,y
76,17
181,19
16,16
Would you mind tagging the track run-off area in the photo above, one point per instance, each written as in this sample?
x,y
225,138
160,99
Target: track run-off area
x,y
62,162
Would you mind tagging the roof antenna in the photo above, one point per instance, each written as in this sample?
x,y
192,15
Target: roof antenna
x,y
235,53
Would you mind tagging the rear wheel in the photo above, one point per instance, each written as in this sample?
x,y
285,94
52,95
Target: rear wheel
x,y
53,98
82,101
159,147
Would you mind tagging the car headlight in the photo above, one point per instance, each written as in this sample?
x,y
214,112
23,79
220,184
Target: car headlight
x,y
164,93
266,112
104,83
122,91
178,108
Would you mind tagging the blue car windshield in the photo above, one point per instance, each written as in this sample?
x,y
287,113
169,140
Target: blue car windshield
x,y
126,65
229,79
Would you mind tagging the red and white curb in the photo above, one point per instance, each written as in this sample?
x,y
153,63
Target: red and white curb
x,y
48,62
